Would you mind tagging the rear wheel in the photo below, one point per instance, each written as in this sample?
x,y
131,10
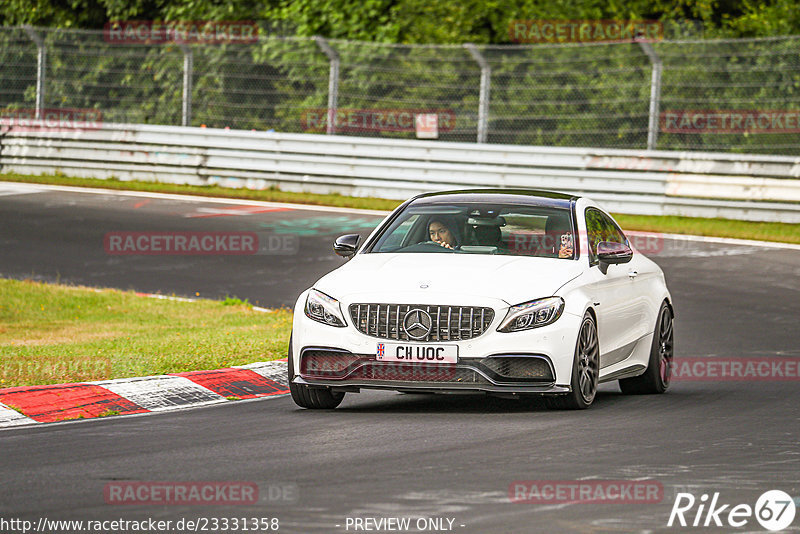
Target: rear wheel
x,y
585,371
312,398
657,377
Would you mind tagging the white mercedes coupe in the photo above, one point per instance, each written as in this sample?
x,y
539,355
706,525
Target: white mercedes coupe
x,y
497,291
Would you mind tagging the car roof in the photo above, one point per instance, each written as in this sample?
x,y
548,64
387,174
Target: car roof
x,y
531,197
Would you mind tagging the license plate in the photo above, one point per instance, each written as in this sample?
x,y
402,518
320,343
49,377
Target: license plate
x,y
413,353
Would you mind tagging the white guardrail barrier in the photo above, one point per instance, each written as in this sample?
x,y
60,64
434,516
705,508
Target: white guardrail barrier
x,y
733,186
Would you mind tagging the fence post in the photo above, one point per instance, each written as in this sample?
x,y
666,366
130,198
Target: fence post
x,y
41,66
483,99
655,94
188,71
333,82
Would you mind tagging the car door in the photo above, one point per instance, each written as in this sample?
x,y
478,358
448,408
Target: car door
x,y
617,301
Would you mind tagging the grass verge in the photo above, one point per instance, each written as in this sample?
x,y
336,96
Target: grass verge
x,y
672,224
763,231
266,195
53,334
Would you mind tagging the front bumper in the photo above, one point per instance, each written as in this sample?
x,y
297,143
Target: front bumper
x,y
554,343
326,367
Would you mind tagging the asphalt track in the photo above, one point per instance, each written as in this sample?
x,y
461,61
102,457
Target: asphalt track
x,y
389,455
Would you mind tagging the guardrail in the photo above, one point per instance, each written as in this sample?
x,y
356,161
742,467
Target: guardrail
x,y
734,186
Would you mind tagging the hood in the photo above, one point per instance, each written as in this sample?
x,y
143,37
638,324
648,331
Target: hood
x,y
392,277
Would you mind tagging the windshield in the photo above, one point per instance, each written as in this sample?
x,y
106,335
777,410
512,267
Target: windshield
x,y
477,228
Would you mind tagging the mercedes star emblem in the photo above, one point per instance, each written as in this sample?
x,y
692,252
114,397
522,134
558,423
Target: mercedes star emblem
x,y
417,324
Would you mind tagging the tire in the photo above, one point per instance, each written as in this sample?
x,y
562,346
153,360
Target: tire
x,y
311,398
657,377
585,371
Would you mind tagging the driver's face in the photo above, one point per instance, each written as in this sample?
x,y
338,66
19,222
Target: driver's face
x,y
440,233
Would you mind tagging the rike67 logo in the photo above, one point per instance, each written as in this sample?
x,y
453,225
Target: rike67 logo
x,y
774,510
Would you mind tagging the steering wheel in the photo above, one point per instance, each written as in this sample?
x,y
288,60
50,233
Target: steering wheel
x,y
427,246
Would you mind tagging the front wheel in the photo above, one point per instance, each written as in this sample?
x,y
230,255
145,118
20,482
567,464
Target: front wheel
x,y
585,371
657,377
312,398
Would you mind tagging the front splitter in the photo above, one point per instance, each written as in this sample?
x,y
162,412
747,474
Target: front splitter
x,y
434,387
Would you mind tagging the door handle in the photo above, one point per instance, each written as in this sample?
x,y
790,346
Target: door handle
x,y
633,274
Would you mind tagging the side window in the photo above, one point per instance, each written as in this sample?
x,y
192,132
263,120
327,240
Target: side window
x,y
594,231
599,227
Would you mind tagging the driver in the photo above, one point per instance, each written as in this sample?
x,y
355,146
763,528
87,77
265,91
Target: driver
x,y
441,233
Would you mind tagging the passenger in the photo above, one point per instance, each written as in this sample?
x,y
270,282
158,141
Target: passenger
x,y
558,238
566,250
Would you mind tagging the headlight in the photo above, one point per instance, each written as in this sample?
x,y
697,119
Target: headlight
x,y
324,309
532,314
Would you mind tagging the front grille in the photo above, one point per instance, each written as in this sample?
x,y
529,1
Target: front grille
x,y
401,372
448,323
519,367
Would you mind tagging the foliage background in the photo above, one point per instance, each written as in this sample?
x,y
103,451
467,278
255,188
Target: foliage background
x,y
562,95
411,21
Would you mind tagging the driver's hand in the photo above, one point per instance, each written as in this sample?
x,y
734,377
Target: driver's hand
x,y
443,244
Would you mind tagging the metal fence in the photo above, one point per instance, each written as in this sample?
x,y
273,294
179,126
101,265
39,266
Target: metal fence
x,y
618,95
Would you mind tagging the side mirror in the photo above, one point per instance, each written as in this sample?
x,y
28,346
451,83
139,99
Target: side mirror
x,y
610,253
346,245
